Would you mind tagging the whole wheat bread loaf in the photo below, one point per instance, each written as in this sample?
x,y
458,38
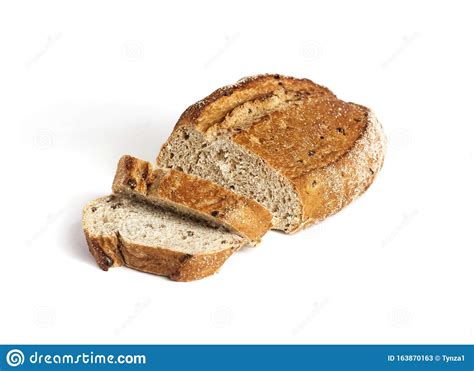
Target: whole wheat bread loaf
x,y
189,195
287,143
123,231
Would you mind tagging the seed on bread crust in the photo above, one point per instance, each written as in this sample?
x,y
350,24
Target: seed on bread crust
x,y
132,183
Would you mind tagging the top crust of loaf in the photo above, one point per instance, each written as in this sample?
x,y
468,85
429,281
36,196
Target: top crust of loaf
x,y
328,149
214,107
192,195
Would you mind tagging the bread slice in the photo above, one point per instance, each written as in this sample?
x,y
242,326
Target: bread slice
x,y
192,196
123,231
287,143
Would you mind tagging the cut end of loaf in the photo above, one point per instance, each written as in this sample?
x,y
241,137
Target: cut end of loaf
x,y
234,168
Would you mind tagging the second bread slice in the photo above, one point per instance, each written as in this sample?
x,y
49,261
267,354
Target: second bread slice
x,y
192,196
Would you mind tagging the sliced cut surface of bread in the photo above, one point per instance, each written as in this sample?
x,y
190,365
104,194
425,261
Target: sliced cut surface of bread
x,y
287,143
193,196
121,231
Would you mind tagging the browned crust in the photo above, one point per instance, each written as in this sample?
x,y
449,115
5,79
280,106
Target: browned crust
x,y
104,250
322,191
188,193
160,261
325,191
245,89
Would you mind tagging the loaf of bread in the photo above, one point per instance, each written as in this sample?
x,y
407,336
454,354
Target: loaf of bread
x,y
268,152
287,143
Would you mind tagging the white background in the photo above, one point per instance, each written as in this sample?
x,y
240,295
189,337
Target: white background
x,y
83,83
